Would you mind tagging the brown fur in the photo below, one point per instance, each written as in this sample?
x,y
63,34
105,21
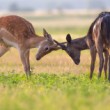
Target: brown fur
x,y
17,26
17,32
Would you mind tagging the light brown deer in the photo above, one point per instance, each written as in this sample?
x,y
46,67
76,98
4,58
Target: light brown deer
x,y
17,32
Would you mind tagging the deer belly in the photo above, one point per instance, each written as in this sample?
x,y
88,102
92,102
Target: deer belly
x,y
10,43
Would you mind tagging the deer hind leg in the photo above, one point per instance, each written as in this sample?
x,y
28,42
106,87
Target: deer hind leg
x,y
109,65
106,54
99,48
101,63
109,69
93,59
24,55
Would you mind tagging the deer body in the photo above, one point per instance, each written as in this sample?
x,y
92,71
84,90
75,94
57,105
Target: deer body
x,y
101,34
19,33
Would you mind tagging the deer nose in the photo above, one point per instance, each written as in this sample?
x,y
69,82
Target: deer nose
x,y
77,61
37,57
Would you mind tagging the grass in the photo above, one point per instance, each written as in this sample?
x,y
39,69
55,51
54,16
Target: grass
x,y
62,24
56,82
53,92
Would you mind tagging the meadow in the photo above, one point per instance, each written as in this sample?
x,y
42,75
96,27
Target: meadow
x,y
56,82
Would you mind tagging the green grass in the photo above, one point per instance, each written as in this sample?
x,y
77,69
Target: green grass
x,y
79,31
60,17
53,92
62,23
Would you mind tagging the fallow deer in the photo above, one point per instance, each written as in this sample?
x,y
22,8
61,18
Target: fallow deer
x,y
17,32
74,47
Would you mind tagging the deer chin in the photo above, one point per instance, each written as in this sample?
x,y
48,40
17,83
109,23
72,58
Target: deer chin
x,y
38,57
76,61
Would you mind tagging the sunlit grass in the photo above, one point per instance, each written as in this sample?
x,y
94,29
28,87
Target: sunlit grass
x,y
51,92
57,62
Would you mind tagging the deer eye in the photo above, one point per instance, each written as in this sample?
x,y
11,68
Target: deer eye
x,y
46,48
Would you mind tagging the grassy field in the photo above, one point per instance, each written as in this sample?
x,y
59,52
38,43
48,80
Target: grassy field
x,y
56,82
53,92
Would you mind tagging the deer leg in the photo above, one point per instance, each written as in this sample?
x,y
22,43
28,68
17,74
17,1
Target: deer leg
x,y
93,59
28,62
25,61
106,54
99,48
109,69
101,64
3,50
101,60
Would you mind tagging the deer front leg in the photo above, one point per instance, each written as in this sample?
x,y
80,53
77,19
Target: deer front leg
x,y
3,50
25,61
106,54
28,62
93,59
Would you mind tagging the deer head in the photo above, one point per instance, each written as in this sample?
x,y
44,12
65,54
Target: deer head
x,y
71,49
46,46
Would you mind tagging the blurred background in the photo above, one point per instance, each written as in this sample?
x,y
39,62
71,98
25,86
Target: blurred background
x,y
25,5
58,17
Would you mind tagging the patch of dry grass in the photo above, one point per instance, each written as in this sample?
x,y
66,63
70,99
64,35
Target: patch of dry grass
x,y
56,62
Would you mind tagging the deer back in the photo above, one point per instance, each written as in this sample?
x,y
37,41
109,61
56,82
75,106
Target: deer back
x,y
20,28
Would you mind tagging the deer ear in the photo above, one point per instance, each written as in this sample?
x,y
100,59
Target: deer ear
x,y
47,36
45,33
68,38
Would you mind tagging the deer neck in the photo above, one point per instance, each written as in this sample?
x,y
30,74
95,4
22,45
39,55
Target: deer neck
x,y
80,43
34,41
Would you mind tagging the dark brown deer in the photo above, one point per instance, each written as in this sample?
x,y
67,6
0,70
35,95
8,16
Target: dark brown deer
x,y
74,47
17,32
101,35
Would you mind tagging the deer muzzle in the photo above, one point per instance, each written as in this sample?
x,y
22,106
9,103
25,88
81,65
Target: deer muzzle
x,y
77,61
37,57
